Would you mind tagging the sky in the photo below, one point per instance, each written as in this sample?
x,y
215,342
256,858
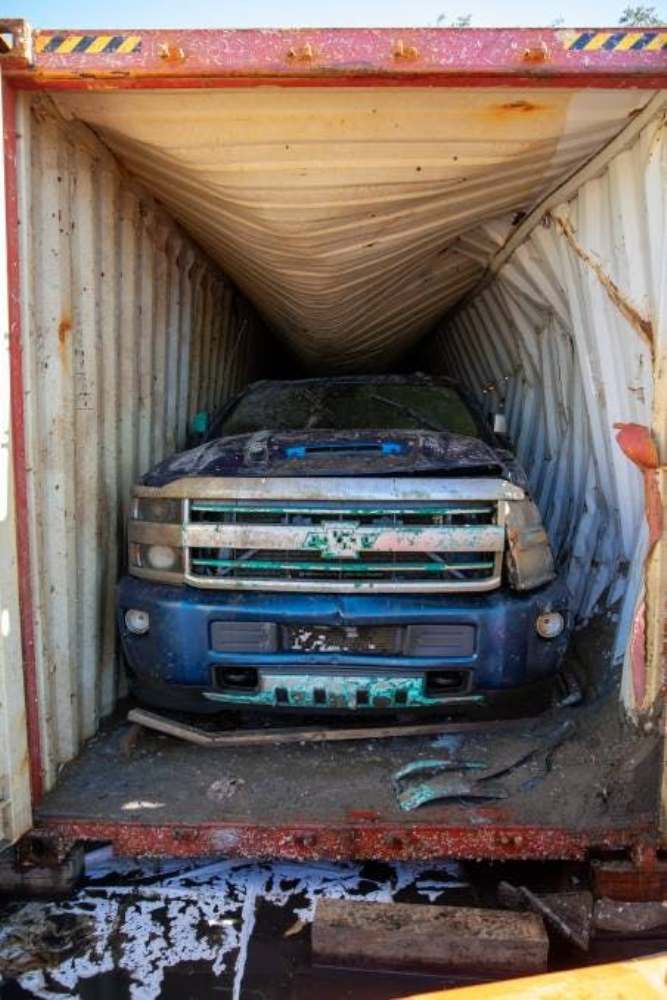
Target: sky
x,y
299,13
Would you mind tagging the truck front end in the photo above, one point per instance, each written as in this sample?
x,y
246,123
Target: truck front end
x,y
341,594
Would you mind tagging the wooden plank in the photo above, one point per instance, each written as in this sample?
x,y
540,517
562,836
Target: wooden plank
x,y
263,737
428,938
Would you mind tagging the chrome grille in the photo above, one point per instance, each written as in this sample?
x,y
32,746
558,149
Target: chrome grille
x,y
325,546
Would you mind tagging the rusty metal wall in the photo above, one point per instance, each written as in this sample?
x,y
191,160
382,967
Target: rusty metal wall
x,y
564,339
128,330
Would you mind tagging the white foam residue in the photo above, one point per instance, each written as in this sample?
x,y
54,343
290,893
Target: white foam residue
x,y
188,912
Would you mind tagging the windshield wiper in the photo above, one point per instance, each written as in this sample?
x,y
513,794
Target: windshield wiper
x,y
418,417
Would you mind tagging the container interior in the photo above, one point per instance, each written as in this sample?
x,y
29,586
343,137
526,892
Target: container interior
x,y
177,245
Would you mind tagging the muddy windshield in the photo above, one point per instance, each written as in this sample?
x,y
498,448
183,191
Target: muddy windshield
x,y
294,406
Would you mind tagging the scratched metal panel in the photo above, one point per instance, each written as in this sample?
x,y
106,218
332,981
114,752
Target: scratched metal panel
x,y
128,330
353,217
548,338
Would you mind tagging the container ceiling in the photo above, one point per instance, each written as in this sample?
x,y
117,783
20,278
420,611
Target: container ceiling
x,y
353,217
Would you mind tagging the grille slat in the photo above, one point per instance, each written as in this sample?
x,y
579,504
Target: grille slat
x,y
329,565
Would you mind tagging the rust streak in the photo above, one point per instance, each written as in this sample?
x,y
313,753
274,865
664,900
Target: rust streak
x,y
637,444
640,323
519,106
64,330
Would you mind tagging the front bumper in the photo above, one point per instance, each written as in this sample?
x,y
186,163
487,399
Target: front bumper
x,y
173,664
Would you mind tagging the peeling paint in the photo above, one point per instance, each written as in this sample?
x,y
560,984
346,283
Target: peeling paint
x,y
328,690
637,444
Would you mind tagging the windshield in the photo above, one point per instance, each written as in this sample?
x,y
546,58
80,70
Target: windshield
x,y
348,406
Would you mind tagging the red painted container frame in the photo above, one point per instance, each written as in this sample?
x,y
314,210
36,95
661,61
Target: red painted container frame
x,y
146,59
538,57
356,840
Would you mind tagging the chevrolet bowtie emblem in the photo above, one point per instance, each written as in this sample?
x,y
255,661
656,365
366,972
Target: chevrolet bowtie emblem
x,y
338,540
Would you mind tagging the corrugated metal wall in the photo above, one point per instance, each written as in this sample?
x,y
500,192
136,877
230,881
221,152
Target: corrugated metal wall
x,y
562,338
128,329
15,812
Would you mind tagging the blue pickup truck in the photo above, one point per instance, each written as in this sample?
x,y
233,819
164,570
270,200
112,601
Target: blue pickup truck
x,y
351,544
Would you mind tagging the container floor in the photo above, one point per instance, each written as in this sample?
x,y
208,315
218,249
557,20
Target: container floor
x,y
160,796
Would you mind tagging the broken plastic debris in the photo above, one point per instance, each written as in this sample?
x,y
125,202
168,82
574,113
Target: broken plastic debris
x,y
432,766
526,763
447,786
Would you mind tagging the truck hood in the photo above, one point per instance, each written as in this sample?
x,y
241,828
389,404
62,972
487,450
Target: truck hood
x,y
339,453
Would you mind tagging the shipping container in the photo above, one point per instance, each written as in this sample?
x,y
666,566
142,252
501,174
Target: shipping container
x,y
187,211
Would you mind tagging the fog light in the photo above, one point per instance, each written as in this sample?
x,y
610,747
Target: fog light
x,y
550,625
238,677
161,556
137,621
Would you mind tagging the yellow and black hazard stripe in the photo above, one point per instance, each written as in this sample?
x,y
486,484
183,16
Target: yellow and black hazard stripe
x,y
89,44
618,41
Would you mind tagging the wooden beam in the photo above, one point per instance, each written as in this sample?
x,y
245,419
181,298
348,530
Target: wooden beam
x,y
483,943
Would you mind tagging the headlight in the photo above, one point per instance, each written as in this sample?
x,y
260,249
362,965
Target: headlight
x,y
162,558
528,557
157,510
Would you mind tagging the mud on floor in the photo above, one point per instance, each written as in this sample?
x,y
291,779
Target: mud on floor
x,y
327,784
